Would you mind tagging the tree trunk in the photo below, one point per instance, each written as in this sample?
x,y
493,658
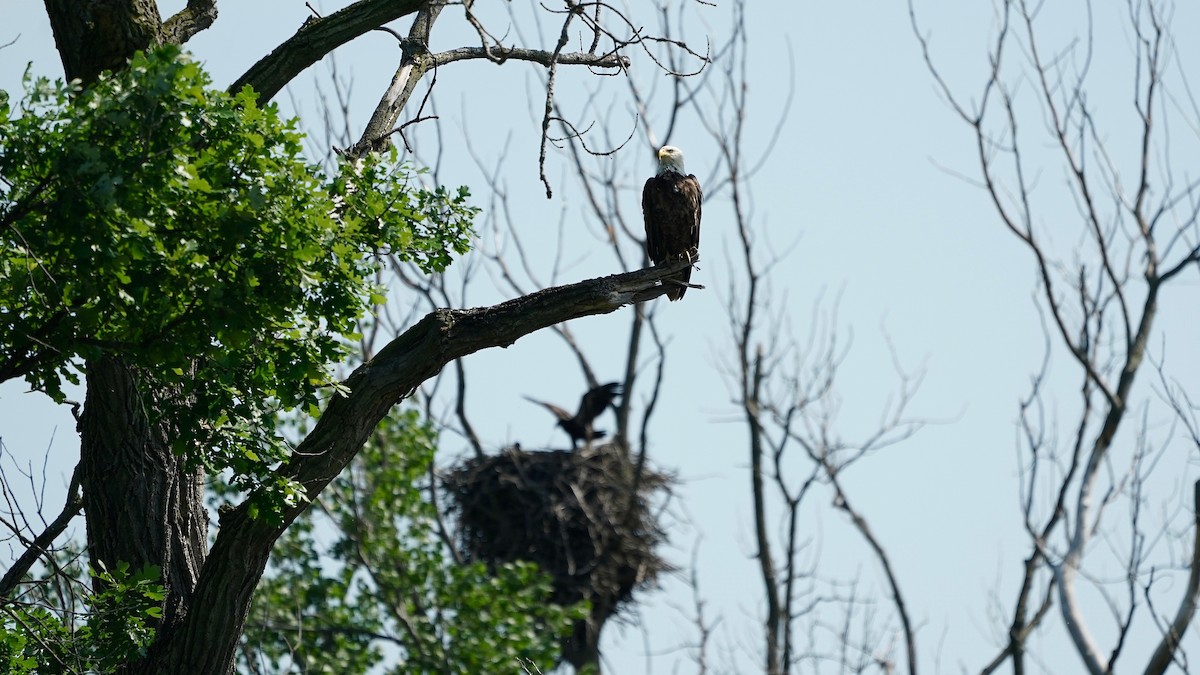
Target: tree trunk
x,y
582,648
144,506
101,34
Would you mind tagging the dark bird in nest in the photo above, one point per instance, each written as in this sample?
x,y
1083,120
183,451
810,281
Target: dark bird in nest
x,y
591,406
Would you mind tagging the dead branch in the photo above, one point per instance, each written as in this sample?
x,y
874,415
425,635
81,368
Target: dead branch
x,y
415,61
1103,308
540,56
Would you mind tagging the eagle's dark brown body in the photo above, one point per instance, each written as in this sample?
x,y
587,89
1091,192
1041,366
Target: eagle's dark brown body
x,y
594,402
671,208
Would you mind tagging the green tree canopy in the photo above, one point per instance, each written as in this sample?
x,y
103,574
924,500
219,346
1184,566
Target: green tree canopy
x,y
166,245
197,243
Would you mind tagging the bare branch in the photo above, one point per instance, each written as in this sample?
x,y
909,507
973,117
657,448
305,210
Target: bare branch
x,y
41,544
860,523
460,408
1101,308
1164,654
545,58
1085,644
414,63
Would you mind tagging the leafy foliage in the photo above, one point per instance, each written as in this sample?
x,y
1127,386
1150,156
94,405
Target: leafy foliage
x,y
153,217
116,627
395,587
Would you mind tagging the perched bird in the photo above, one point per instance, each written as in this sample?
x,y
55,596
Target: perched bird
x,y
671,208
594,402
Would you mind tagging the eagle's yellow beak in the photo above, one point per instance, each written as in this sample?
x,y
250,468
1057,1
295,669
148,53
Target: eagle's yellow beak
x,y
662,152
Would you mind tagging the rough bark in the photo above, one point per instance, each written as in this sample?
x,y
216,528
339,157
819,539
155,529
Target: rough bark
x,y
413,66
198,15
144,506
102,34
318,37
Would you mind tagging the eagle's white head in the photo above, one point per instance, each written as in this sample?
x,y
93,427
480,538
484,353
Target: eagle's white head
x,y
670,158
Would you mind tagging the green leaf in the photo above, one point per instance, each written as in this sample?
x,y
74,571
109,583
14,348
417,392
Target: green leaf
x,y
179,227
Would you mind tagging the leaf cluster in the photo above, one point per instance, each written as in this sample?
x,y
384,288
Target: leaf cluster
x,y
116,626
178,227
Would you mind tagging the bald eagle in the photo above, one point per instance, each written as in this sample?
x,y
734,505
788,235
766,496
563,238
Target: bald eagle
x,y
594,402
671,208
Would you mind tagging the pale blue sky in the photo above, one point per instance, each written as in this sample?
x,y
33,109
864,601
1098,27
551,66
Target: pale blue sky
x,y
863,176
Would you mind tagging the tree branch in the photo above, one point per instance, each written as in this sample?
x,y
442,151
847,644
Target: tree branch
x,y
774,623
417,61
41,543
502,54
205,642
316,38
860,523
1081,637
1165,652
197,16
414,63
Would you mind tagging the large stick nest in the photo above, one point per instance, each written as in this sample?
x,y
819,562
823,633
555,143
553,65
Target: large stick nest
x,y
584,517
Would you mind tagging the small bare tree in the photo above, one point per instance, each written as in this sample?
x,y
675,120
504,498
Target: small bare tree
x,y
787,393
1127,200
